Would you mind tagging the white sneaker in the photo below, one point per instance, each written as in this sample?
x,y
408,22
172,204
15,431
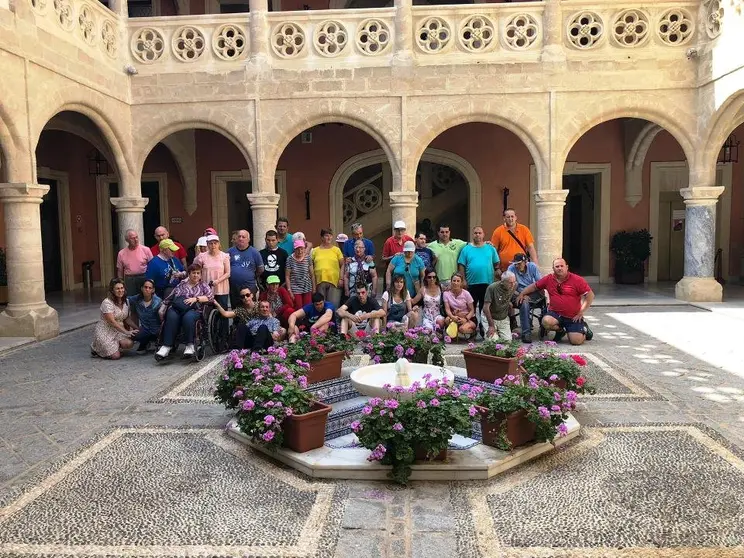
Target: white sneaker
x,y
162,352
189,351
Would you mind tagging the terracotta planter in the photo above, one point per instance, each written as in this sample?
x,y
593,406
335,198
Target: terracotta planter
x,y
327,368
519,429
488,368
306,432
420,455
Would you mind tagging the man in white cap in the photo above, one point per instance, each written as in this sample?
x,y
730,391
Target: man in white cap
x,y
394,244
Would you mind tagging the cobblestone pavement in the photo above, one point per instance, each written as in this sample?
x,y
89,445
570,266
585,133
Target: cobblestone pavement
x,y
126,458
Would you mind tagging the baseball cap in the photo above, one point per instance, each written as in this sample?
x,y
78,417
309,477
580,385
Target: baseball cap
x,y
341,237
399,225
169,244
519,258
272,279
212,237
202,241
409,246
210,230
299,243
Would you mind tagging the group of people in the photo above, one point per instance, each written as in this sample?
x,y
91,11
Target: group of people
x,y
465,288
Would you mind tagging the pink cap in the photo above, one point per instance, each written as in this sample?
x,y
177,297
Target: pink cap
x,y
299,243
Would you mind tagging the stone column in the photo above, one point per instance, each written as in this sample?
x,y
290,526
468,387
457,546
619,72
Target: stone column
x,y
403,55
553,32
698,283
27,313
403,207
130,211
120,7
259,34
549,205
264,207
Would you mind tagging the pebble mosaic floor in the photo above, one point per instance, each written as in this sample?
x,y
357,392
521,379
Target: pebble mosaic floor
x,y
92,463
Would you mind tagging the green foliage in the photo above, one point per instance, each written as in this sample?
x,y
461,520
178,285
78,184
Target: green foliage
x,y
314,346
551,366
498,348
415,344
631,248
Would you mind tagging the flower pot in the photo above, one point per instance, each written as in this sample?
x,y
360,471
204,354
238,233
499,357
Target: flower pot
x,y
519,429
307,431
488,368
420,455
327,368
628,276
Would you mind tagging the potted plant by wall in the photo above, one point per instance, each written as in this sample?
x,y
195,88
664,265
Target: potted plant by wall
x,y
560,369
631,250
324,352
415,344
528,409
3,278
401,431
492,359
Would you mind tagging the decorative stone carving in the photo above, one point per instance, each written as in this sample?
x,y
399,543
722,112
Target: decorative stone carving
x,y
330,38
630,28
108,38
476,33
349,211
87,24
521,31
585,30
64,12
228,42
675,27
713,18
38,5
187,43
288,40
148,45
738,6
433,34
373,37
368,198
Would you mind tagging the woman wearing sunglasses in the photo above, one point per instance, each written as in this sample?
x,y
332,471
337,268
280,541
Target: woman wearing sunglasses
x,y
242,315
430,295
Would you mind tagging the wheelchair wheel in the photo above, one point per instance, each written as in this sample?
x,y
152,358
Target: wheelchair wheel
x,y
217,332
199,352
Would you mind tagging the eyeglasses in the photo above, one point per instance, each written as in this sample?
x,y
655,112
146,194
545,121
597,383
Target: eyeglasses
x,y
246,295
431,276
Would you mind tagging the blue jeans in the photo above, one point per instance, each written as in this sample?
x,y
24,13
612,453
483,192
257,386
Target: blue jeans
x,y
175,322
525,323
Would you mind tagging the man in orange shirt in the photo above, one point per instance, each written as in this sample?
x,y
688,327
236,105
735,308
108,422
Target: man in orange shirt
x,y
511,238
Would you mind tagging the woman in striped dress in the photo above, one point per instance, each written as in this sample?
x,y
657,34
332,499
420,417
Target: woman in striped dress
x,y
300,280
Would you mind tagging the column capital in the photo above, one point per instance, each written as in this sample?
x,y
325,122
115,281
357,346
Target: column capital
x,y
130,205
263,200
550,197
707,195
404,199
22,192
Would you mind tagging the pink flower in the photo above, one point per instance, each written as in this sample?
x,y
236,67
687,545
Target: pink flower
x,y
420,404
391,403
367,410
269,419
397,427
580,381
248,405
578,359
375,401
544,413
268,435
562,429
447,339
356,426
472,411
434,402
278,388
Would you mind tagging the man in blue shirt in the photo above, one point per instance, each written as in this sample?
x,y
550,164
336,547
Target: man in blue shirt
x,y
315,317
480,264
246,265
357,233
527,273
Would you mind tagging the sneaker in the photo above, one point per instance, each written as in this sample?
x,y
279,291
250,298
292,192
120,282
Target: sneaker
x,y
141,349
588,333
527,338
162,353
189,350
560,334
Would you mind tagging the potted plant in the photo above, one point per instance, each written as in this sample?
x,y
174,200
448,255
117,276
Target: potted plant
x,y
559,369
492,359
526,410
401,431
415,344
324,352
273,407
3,278
631,250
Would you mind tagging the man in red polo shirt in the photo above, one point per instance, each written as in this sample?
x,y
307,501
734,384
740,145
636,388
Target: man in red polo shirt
x,y
570,297
394,244
161,233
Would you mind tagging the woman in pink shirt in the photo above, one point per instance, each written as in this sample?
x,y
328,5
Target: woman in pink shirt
x,y
215,266
458,305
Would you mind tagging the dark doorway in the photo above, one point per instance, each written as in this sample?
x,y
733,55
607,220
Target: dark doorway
x,y
50,233
580,223
239,214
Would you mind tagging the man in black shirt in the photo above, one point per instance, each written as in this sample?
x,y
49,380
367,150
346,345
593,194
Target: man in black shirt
x,y
274,259
360,313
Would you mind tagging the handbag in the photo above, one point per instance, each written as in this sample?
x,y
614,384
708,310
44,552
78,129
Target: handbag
x,y
524,250
180,306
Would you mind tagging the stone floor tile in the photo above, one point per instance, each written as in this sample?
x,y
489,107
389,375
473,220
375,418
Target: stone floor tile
x,y
428,545
364,514
360,544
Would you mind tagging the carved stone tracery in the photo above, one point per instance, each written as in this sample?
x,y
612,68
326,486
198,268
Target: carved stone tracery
x,y
433,34
373,37
585,30
521,32
87,24
109,39
330,38
228,42
288,40
188,43
713,18
675,27
64,14
148,45
476,33
630,28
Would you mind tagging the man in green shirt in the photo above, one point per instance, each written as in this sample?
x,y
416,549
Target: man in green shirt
x,y
447,250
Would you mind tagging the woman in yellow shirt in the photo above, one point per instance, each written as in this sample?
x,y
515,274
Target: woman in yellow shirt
x,y
328,263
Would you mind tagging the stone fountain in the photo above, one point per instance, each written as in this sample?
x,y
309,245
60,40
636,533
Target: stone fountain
x,y
369,380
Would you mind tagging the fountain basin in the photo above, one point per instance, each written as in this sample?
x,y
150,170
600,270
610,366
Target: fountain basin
x,y
368,380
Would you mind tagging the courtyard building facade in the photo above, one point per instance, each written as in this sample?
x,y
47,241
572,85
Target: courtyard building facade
x,y
585,118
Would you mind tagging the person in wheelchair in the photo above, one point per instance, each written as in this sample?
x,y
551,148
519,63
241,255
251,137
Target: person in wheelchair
x,y
181,310
526,273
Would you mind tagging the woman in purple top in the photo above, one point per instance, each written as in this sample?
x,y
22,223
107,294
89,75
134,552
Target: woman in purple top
x,y
181,309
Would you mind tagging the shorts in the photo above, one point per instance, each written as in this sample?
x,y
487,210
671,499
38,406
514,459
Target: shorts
x,y
567,323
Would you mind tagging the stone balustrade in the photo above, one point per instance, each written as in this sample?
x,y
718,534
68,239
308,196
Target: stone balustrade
x,y
492,33
87,24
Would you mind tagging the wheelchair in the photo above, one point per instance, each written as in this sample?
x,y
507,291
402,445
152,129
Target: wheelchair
x,y
201,335
220,331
